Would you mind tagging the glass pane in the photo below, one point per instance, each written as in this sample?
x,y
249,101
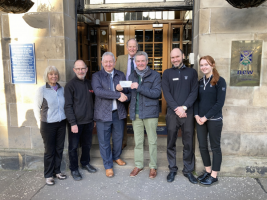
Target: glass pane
x,y
94,67
145,16
104,48
119,49
158,35
157,50
165,15
171,15
159,15
186,50
120,36
140,47
176,34
103,36
139,35
118,17
149,35
139,15
127,16
94,51
152,15
149,50
175,45
93,36
133,16
187,33
158,64
150,63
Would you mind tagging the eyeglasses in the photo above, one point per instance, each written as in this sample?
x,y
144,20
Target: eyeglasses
x,y
80,69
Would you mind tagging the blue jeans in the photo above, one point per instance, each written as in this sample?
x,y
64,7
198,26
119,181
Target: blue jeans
x,y
104,130
84,136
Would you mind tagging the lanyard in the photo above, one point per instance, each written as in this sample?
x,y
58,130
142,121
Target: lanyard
x,y
204,81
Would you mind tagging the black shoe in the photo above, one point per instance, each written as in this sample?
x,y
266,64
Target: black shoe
x,y
76,175
209,181
171,176
89,168
191,178
203,176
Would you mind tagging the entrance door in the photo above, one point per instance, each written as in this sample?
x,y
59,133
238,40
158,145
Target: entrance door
x,y
154,41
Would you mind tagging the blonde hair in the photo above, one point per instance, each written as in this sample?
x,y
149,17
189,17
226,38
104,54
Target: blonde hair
x,y
48,70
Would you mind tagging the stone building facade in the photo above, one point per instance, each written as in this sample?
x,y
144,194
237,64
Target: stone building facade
x,y
216,25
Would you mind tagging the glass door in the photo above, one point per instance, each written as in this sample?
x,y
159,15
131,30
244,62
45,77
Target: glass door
x,y
151,40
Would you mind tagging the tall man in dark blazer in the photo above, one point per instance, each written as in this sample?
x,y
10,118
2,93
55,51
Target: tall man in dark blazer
x,y
109,112
180,89
126,64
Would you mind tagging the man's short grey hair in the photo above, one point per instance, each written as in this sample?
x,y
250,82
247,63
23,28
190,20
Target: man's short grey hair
x,y
108,54
141,53
133,40
48,70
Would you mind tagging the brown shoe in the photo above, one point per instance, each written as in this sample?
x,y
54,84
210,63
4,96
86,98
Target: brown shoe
x,y
109,173
152,173
120,162
135,172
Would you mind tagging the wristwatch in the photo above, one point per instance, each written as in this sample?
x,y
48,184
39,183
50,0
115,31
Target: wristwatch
x,y
184,107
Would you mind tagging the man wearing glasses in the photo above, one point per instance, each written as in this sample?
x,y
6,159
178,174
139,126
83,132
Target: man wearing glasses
x,y
79,111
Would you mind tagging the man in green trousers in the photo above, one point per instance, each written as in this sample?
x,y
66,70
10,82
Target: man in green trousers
x,y
144,112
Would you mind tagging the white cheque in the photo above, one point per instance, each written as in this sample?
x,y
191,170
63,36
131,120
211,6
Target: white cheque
x,y
125,84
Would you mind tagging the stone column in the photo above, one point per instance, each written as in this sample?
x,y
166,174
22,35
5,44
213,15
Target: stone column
x,y
50,25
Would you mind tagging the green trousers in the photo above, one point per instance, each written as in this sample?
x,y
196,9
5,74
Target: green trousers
x,y
151,127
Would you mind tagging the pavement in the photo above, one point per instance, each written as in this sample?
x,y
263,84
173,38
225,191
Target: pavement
x,y
30,185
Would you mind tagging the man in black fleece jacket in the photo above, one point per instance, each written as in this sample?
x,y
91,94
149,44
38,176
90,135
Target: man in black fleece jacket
x,y
180,89
79,111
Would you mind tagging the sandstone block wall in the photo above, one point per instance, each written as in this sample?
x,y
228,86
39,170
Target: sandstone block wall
x,y
51,26
244,134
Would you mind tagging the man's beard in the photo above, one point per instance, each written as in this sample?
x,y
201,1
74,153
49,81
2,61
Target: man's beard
x,y
180,65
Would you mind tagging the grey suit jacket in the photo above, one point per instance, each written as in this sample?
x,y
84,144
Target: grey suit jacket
x,y
121,64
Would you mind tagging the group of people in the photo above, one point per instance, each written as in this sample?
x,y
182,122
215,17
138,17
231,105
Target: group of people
x,y
106,101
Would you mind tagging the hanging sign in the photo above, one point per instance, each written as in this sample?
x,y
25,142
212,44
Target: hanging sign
x,y
23,66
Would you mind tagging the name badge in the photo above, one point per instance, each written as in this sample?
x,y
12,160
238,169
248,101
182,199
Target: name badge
x,y
175,79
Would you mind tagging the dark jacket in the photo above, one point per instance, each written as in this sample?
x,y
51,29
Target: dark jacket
x,y
180,88
210,99
79,101
149,92
104,95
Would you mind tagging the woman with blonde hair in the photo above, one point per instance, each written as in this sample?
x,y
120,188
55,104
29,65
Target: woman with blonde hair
x,y
208,114
49,113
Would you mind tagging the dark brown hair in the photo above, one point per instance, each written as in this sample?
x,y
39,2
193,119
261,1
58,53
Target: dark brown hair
x,y
215,73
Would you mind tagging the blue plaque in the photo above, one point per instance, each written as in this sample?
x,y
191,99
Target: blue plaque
x,y
23,66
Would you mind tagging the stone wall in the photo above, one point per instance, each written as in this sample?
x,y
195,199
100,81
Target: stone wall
x,y
51,26
244,136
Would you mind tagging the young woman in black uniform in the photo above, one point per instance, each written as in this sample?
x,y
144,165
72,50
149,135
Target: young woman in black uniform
x,y
208,114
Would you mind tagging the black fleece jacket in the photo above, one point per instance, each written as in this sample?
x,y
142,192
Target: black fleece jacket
x,y
180,87
79,105
210,99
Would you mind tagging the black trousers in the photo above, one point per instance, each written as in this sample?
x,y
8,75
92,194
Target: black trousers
x,y
174,122
53,135
214,130
84,137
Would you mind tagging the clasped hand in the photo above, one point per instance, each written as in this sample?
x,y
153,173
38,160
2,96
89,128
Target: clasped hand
x,y
180,112
201,120
123,97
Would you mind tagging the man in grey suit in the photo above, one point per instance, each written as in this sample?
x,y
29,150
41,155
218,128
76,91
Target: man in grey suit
x,y
126,64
